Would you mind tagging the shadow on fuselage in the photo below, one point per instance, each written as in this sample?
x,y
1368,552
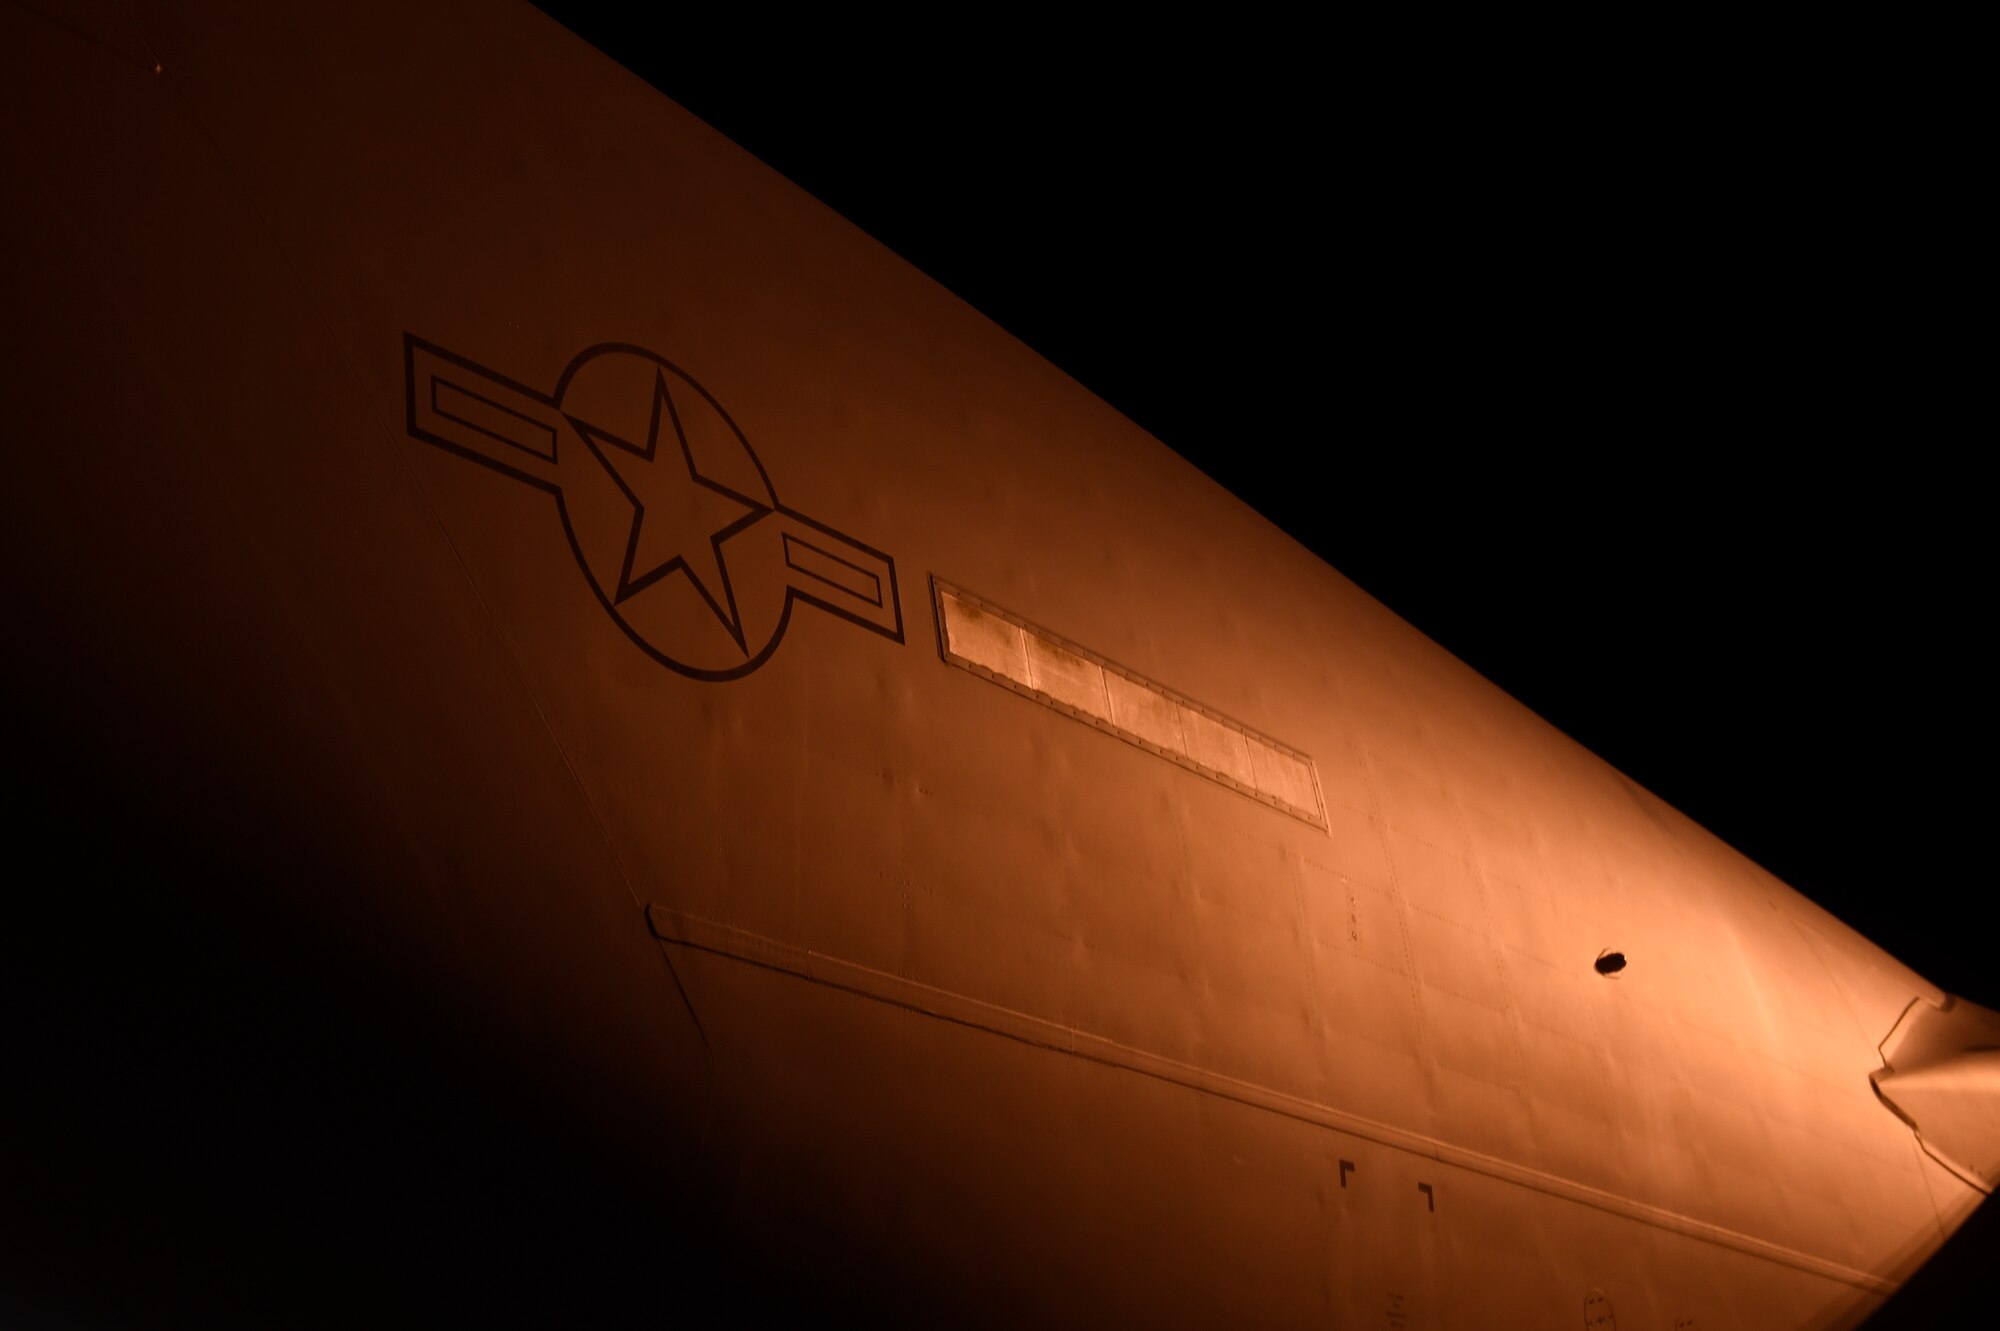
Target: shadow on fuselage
x,y
1956,1282
216,1117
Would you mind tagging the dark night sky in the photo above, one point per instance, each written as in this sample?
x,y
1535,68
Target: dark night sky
x,y
1631,388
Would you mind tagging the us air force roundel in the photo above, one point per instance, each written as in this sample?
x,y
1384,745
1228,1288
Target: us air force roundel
x,y
668,509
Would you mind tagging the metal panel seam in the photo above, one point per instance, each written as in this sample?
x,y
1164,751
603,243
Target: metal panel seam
x,y
673,927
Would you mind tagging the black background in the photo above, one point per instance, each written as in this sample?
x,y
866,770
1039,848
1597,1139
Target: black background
x,y
1638,368
1631,367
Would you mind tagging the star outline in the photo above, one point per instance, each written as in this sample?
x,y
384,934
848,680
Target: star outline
x,y
725,611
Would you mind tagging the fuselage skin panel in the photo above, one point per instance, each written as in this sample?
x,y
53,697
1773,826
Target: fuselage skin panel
x,y
456,466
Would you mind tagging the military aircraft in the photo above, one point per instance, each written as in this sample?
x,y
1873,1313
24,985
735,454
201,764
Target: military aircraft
x,y
598,746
